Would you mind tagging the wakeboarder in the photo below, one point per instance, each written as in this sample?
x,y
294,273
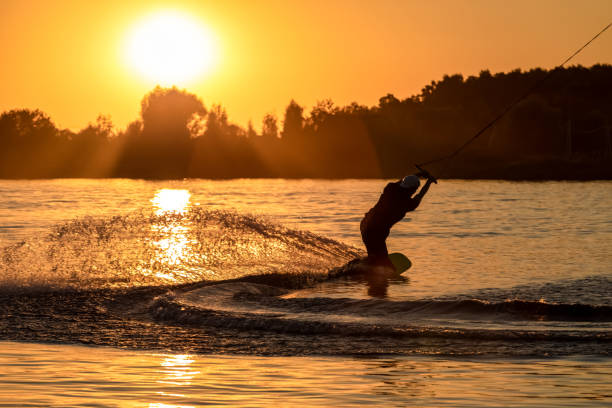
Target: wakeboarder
x,y
396,200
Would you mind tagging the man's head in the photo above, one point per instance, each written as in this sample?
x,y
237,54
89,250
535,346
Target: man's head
x,y
411,183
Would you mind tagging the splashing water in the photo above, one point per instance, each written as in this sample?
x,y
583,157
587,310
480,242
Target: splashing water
x,y
164,247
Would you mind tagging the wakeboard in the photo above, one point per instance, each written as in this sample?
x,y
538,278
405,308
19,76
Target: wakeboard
x,y
400,262
360,266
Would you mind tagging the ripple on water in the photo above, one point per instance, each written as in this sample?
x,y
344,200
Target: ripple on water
x,y
30,376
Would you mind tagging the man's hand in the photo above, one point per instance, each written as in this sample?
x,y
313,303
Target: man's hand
x,y
416,200
425,174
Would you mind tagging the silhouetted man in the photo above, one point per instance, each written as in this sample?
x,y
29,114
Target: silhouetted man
x,y
393,204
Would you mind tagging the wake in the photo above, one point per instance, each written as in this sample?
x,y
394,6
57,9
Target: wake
x,y
148,249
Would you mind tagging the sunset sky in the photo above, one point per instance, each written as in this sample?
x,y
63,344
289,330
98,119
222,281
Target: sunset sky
x,y
76,59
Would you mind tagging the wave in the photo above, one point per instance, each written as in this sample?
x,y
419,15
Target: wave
x,y
591,290
247,307
148,319
241,316
254,296
515,309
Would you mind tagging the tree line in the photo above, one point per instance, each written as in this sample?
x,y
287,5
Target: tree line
x,y
561,131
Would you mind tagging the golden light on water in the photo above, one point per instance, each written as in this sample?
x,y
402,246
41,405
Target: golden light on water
x,y
173,252
170,48
173,249
177,370
171,201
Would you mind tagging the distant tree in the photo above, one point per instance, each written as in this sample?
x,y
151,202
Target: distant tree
x,y
388,100
355,109
30,144
166,112
294,121
533,128
91,149
222,149
217,124
197,125
99,132
448,92
320,113
251,133
162,148
269,126
27,127
133,130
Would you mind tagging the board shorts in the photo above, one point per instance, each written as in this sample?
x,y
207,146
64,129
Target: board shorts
x,y
374,238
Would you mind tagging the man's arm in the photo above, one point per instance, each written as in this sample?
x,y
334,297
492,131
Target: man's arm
x,y
416,200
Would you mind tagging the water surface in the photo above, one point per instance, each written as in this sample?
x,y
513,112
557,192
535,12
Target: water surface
x,y
508,300
107,377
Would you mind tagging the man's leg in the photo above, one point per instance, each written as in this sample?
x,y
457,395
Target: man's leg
x,y
374,240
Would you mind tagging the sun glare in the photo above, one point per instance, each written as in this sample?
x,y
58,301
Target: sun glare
x,y
170,48
171,201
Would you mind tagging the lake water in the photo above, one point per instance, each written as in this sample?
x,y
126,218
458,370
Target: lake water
x,y
219,292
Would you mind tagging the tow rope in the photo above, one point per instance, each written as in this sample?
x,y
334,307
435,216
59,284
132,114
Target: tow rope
x,y
508,108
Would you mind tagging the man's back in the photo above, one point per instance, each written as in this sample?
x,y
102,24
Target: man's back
x,y
393,204
391,207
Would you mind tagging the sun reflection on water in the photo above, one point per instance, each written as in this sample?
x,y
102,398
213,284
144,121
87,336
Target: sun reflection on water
x,y
173,247
171,201
177,370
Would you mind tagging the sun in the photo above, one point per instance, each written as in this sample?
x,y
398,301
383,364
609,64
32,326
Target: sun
x,y
170,48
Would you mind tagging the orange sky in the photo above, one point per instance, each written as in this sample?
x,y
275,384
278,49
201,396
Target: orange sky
x,y
65,57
